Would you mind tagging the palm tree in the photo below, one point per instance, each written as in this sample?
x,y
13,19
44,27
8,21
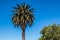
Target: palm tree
x,y
22,16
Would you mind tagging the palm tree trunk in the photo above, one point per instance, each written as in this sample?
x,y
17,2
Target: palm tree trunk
x,y
23,30
23,34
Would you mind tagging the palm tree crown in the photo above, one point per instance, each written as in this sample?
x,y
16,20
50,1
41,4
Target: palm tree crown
x,y
22,15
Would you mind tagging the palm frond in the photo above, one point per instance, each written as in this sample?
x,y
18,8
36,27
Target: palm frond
x,y
18,5
15,7
28,7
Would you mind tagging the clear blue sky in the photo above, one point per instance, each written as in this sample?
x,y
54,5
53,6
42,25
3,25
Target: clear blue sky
x,y
46,12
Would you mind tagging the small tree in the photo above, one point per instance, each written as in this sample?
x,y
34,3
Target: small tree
x,y
51,32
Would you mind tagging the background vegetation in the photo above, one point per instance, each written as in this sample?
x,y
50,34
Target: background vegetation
x,y
50,32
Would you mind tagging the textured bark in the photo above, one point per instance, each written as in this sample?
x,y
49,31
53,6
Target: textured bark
x,y
23,34
23,30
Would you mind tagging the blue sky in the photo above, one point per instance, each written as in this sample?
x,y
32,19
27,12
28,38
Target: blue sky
x,y
46,12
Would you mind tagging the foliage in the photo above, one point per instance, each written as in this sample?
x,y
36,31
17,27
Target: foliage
x,y
22,15
50,32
